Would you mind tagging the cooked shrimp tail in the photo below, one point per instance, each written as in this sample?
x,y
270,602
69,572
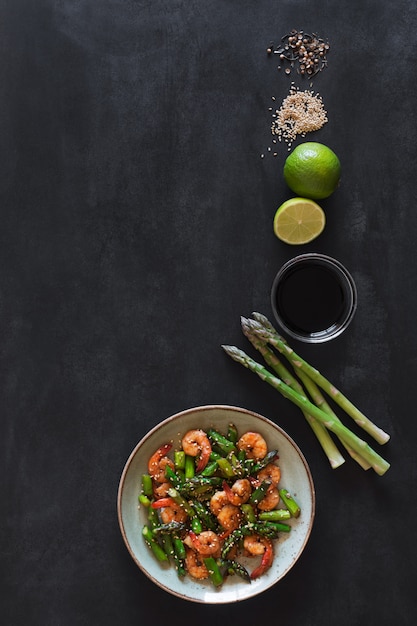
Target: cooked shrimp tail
x,y
158,463
157,456
266,560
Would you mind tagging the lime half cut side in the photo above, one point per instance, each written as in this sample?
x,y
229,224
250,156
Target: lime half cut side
x,y
298,221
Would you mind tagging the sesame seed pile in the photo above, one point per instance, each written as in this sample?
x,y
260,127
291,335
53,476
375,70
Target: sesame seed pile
x,y
301,112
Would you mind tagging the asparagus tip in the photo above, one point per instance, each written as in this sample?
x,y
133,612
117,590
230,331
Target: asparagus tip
x,y
236,354
231,350
244,322
258,329
262,319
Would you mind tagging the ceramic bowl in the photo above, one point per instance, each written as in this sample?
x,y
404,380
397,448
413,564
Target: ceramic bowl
x,y
295,476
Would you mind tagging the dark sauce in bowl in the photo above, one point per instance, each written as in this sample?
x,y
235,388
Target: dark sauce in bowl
x,y
313,297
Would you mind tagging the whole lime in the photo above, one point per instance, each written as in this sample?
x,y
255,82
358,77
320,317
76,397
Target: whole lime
x,y
312,170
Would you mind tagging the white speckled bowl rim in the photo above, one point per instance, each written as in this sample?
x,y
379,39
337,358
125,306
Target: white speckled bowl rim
x,y
296,477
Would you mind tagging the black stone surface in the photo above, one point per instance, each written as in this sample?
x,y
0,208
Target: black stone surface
x,y
135,231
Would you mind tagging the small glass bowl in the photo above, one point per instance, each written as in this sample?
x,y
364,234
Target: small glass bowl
x,y
313,298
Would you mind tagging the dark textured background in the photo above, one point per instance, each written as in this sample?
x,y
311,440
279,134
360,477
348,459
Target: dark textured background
x,y
135,230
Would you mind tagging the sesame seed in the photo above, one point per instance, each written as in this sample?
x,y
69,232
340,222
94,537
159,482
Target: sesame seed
x,y
301,112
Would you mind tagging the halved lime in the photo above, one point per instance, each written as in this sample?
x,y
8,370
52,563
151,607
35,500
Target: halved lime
x,y
298,221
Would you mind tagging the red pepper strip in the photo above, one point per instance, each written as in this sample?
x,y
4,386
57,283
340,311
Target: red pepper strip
x,y
266,561
162,502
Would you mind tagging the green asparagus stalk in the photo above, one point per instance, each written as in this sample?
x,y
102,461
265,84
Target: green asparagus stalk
x,y
226,468
274,339
292,506
232,433
313,390
179,459
179,556
248,512
276,515
225,445
210,469
379,464
214,571
322,434
259,493
189,466
320,401
144,500
196,525
153,544
147,487
173,493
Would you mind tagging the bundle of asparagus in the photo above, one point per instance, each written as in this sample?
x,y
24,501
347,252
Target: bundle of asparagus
x,y
304,386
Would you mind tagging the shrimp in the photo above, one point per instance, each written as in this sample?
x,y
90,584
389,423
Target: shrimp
x,y
158,462
270,472
229,517
218,501
161,489
196,443
255,545
270,500
254,445
194,565
207,543
239,492
173,513
170,510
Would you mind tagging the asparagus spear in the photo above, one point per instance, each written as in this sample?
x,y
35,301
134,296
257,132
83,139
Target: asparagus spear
x,y
322,434
300,364
379,464
314,392
320,401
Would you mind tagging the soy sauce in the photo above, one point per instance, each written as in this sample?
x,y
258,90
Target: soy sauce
x,y
310,299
